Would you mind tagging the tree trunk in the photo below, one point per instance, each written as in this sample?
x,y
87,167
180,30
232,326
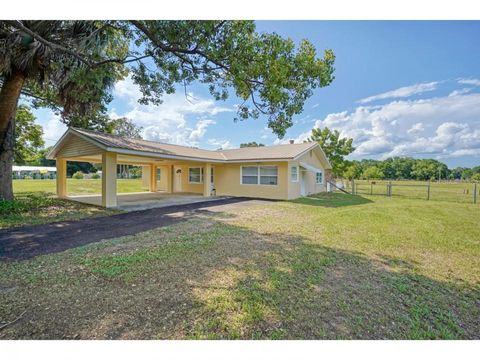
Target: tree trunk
x,y
9,95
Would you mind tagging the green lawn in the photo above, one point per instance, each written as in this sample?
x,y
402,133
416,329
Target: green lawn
x,y
36,203
324,267
76,187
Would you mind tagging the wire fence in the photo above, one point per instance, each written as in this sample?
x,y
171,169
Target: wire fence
x,y
463,192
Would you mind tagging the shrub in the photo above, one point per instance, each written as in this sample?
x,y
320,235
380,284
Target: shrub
x,y
96,176
78,175
25,202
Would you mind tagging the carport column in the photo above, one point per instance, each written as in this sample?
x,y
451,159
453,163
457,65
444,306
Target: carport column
x,y
169,179
109,180
61,178
153,178
206,180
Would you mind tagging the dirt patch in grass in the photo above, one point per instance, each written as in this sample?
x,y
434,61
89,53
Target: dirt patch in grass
x,y
277,271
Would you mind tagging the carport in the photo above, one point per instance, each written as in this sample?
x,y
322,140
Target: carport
x,y
110,151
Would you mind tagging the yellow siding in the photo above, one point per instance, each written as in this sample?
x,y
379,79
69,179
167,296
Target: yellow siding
x,y
76,146
311,187
227,182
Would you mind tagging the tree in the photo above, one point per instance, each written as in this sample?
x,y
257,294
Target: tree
x,y
251,144
429,169
125,127
373,172
28,136
335,148
71,66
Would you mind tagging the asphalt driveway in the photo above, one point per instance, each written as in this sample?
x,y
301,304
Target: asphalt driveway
x,y
30,241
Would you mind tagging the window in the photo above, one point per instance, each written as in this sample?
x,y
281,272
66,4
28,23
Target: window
x,y
211,175
294,173
259,175
158,174
268,175
249,174
319,178
195,175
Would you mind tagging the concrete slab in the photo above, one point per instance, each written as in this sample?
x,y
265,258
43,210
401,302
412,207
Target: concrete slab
x,y
146,200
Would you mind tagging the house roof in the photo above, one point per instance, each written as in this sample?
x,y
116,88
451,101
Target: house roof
x,y
119,144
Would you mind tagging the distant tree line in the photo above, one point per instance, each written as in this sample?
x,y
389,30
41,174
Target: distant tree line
x,y
407,168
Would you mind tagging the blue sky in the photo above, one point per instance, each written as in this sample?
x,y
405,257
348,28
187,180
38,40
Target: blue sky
x,y
406,88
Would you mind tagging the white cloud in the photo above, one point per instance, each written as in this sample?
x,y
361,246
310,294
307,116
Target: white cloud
x,y
220,144
53,129
169,121
402,92
439,127
474,82
416,129
200,130
460,92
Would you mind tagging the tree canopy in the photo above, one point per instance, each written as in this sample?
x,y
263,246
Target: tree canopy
x,y
251,144
335,147
71,67
28,136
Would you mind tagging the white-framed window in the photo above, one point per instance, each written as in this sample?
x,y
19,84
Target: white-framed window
x,y
249,175
294,173
195,175
268,175
159,174
259,175
319,177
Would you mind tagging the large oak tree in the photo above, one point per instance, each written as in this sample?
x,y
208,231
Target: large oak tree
x,y
71,67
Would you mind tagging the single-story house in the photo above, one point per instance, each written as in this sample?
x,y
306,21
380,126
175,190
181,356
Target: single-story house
x,y
34,172
283,172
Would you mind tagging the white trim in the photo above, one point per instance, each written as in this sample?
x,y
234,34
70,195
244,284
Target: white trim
x,y
298,173
258,175
201,174
310,167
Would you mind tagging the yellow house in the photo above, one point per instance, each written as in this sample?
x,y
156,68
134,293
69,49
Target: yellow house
x,y
271,172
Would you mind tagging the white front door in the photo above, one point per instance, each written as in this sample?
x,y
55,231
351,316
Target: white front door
x,y
302,183
178,179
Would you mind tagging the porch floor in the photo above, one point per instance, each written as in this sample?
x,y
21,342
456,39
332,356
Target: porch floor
x,y
146,200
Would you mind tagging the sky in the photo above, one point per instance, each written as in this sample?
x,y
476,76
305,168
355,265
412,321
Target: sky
x,y
401,88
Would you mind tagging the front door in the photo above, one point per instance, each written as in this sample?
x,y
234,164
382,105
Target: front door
x,y
212,183
302,183
178,179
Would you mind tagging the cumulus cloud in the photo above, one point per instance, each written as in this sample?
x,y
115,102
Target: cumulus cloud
x,y
439,127
170,121
220,144
53,129
402,92
474,82
460,92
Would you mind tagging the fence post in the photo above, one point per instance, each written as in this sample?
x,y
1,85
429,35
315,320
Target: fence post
x,y
371,188
390,188
353,186
474,193
428,191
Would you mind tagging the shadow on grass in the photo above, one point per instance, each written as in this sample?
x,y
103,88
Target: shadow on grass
x,y
333,200
213,280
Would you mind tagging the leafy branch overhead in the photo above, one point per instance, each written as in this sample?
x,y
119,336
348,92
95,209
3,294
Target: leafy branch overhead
x,y
71,66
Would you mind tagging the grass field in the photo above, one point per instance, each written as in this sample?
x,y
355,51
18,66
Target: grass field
x,y
444,191
332,266
76,187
